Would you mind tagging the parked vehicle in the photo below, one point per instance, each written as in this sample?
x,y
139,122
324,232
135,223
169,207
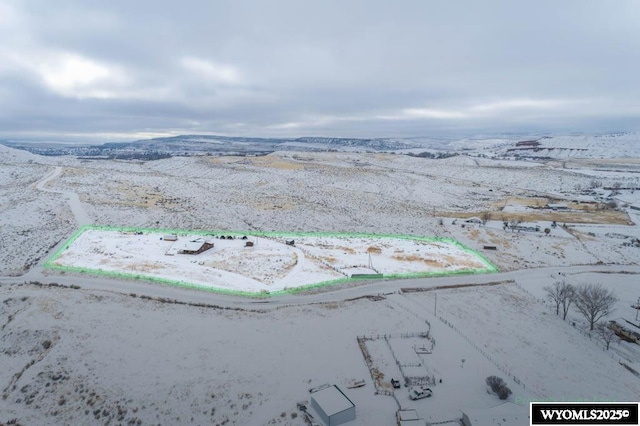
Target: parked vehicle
x,y
419,392
355,384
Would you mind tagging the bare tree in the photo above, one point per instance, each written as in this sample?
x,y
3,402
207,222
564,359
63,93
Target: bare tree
x,y
553,293
486,217
568,294
594,301
605,332
562,295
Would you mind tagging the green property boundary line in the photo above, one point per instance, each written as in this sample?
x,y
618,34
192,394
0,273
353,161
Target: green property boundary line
x,y
490,267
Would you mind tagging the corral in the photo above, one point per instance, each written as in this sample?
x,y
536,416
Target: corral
x,y
263,263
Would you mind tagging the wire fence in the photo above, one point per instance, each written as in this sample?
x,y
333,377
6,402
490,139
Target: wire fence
x,y
412,379
420,334
415,314
503,368
527,292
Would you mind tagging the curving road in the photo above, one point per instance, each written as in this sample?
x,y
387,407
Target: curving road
x,y
78,211
340,293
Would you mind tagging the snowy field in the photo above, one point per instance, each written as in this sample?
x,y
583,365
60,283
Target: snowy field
x,y
310,192
268,265
114,358
95,349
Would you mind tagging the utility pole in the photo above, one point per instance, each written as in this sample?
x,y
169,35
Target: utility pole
x,y
435,305
637,308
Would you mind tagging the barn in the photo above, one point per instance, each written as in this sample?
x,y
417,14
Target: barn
x,y
196,246
333,406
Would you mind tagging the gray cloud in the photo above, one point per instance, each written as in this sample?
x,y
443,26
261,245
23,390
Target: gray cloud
x,y
362,68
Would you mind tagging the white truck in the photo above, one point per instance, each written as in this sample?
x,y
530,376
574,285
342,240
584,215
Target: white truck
x,y
419,392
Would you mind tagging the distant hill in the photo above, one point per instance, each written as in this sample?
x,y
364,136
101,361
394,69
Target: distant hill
x,y
615,145
218,145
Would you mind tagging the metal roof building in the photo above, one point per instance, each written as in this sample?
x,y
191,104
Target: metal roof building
x,y
409,418
333,406
196,246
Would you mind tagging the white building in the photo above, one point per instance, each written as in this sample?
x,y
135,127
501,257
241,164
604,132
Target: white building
x,y
557,206
333,406
408,417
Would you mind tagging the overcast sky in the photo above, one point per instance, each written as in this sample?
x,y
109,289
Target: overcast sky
x,y
117,69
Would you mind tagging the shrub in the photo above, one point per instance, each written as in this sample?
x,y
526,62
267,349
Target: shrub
x,y
498,386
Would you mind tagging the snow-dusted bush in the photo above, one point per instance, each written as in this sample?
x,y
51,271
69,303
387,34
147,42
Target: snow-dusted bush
x,y
498,386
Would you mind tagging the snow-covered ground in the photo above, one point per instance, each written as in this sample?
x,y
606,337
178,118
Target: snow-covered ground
x,y
113,351
334,192
110,358
614,145
268,265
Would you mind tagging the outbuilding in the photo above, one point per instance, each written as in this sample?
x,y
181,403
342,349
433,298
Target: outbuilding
x,y
196,246
409,417
557,206
333,406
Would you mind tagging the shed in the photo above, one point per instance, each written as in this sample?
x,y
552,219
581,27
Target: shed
x,y
483,416
409,417
557,206
196,246
172,237
248,244
333,406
